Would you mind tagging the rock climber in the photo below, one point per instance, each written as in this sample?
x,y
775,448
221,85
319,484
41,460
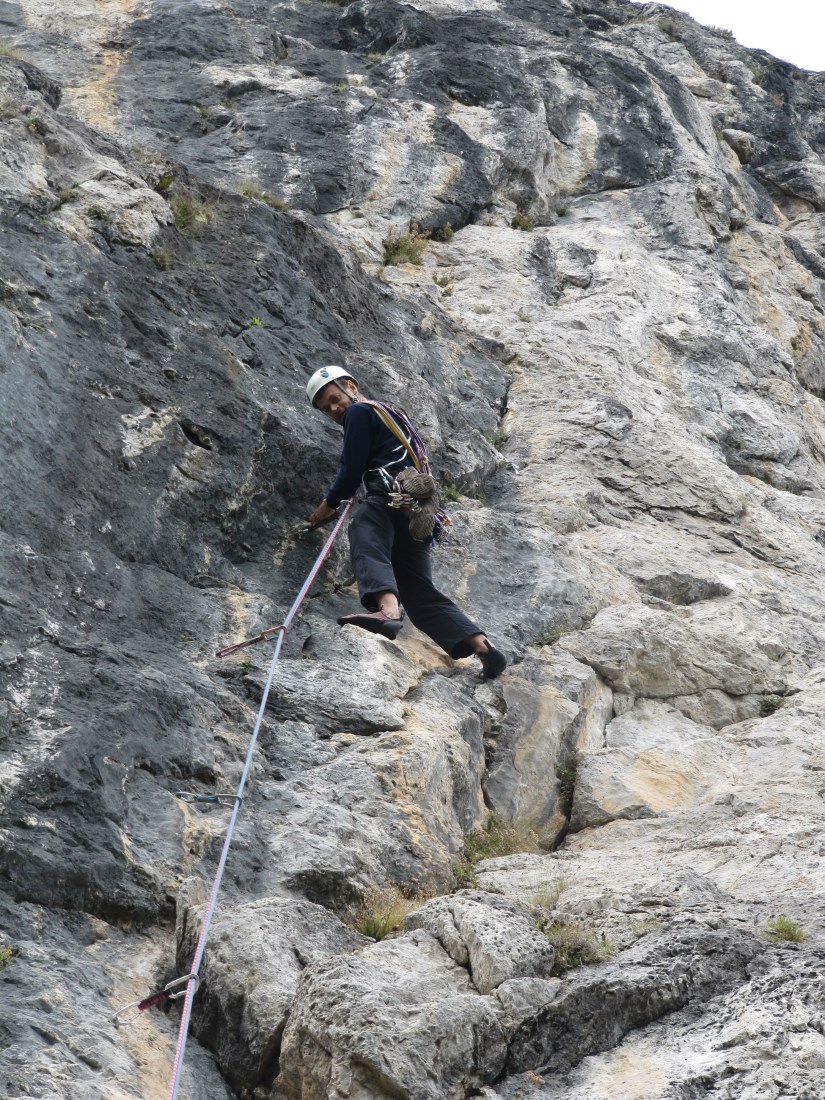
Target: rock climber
x,y
389,544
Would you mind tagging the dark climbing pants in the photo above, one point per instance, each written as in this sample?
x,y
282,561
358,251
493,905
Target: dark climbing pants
x,y
386,558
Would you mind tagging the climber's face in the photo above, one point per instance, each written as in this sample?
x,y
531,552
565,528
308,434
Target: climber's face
x,y
333,401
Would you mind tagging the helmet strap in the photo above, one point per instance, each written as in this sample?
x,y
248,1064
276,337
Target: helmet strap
x,y
345,391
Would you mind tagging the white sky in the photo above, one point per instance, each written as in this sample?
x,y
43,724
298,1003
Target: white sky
x,y
793,30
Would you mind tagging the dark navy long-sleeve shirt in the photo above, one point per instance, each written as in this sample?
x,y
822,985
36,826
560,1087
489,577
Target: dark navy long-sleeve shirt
x,y
368,445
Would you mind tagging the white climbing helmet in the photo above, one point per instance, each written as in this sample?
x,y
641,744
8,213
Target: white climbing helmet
x,y
322,378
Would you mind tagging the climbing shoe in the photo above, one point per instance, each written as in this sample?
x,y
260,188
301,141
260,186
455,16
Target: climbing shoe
x,y
376,622
493,662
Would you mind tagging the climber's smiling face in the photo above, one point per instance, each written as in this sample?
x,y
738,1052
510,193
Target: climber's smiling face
x,y
333,400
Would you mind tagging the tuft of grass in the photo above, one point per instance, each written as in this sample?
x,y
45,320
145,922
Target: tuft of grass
x,y
9,108
375,58
6,956
342,86
9,51
548,892
165,182
382,910
575,945
522,221
522,316
444,233
251,190
723,32
97,213
785,930
442,281
566,779
496,438
464,874
644,926
770,704
163,259
405,248
552,634
562,211
451,494
254,322
481,307
497,838
192,213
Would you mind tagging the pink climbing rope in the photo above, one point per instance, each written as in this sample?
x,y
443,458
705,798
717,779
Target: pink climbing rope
x,y
192,980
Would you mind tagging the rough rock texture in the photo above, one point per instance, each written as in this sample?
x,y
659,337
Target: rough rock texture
x,y
375,1024
252,963
613,342
490,936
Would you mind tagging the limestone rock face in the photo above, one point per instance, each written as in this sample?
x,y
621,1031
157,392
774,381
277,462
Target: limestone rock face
x,y
488,935
372,1025
252,963
583,244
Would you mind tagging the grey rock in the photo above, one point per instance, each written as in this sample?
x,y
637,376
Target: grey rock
x,y
253,960
375,1024
393,808
495,939
634,384
557,708
634,649
592,1012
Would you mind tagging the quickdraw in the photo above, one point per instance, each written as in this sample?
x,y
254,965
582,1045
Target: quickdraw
x,y
129,1013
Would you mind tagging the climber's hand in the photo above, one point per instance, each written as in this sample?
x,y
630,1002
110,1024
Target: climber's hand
x,y
322,514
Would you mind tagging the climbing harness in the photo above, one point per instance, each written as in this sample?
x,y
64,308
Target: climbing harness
x,y
187,986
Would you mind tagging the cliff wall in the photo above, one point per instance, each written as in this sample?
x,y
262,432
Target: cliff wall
x,y
584,244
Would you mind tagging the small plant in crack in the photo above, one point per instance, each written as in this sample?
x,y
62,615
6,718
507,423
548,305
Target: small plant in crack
x,y
548,892
464,874
497,437
163,259
566,779
523,222
192,213
575,944
770,704
553,633
382,910
405,248
784,930
499,838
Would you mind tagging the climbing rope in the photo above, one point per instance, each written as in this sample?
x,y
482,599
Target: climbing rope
x,y
192,979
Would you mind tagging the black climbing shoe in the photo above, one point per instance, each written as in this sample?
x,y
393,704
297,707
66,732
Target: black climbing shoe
x,y
376,622
493,662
